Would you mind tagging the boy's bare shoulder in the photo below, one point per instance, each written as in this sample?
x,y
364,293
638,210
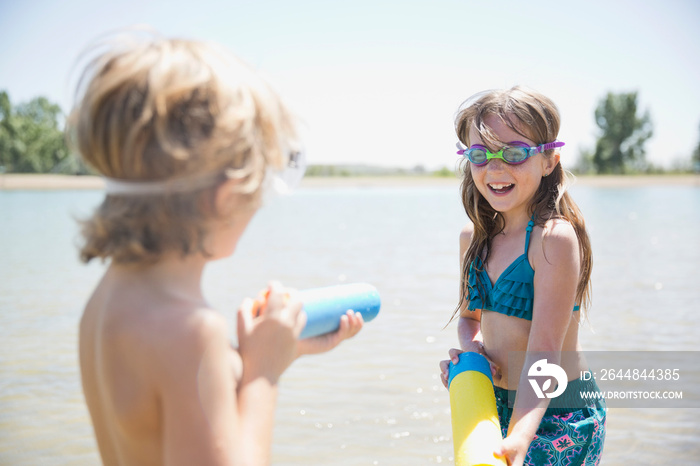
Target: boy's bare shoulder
x,y
176,338
202,324
194,331
199,342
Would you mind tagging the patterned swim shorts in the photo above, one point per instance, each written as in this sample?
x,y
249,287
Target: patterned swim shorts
x,y
571,432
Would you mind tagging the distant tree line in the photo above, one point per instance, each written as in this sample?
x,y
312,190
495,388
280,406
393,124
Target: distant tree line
x,y
32,141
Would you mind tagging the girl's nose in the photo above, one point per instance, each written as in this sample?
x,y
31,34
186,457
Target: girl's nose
x,y
495,165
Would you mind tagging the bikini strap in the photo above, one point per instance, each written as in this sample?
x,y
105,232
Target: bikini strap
x,y
528,230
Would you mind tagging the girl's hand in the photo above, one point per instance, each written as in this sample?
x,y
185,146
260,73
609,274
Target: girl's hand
x,y
514,448
445,364
474,347
268,343
350,324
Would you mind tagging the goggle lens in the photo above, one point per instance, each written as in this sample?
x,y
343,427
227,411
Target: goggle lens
x,y
515,154
477,156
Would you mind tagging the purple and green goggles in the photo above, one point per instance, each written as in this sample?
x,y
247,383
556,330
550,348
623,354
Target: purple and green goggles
x,y
518,153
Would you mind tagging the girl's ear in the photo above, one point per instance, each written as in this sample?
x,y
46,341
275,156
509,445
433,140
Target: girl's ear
x,y
551,162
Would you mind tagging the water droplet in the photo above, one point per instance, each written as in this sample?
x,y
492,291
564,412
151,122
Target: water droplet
x,y
430,339
658,285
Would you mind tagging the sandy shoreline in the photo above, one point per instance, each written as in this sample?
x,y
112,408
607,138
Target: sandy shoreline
x,y
10,182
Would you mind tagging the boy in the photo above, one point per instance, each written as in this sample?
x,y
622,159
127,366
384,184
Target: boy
x,y
186,137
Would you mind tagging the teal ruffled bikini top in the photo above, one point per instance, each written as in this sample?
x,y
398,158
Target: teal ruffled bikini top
x,y
512,294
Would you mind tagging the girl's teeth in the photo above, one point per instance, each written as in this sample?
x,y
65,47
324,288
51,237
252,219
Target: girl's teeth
x,y
499,186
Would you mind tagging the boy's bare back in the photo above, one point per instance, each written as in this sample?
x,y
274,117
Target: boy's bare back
x,y
145,351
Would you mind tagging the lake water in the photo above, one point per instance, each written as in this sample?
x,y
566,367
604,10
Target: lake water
x,y
377,399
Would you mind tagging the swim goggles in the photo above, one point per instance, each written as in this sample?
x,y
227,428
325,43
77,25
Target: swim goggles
x,y
518,153
284,182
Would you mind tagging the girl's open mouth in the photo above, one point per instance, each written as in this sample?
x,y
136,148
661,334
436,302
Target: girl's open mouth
x,y
501,188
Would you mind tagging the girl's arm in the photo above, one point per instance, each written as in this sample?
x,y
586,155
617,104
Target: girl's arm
x,y
469,323
556,266
469,333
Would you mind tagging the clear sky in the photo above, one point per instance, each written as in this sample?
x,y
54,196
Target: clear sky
x,y
379,81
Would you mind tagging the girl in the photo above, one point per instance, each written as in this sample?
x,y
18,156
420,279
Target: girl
x,y
525,272
187,138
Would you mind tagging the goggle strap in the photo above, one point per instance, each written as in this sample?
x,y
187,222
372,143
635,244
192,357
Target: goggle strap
x,y
551,145
124,187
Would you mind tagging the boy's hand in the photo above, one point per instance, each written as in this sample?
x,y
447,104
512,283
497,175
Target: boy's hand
x,y
350,324
268,343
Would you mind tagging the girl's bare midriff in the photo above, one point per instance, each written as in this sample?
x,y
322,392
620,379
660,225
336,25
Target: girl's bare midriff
x,y
506,339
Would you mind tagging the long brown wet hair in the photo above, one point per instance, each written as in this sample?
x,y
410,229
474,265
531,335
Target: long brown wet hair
x,y
535,117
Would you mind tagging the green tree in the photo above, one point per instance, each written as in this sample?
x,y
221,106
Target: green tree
x,y
31,138
620,147
9,143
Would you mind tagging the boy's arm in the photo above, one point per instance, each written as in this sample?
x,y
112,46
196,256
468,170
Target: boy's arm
x,y
199,412
267,346
210,418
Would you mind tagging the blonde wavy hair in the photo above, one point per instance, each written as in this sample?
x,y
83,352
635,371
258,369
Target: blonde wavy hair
x,y
535,117
156,109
